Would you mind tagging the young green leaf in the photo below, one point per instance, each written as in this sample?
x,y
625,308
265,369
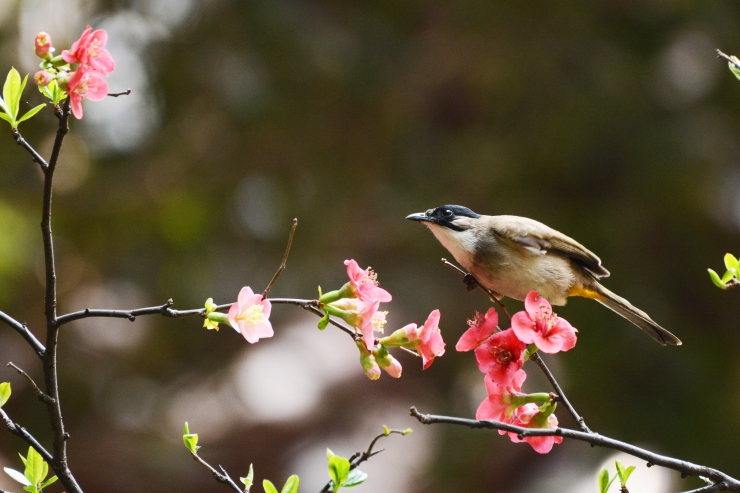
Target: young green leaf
x,y
35,467
4,393
603,480
324,322
30,113
249,480
16,475
6,117
51,480
354,478
732,263
269,487
733,67
291,485
12,92
727,276
186,429
338,470
716,280
624,473
329,453
31,489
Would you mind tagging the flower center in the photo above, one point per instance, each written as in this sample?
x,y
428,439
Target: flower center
x,y
545,320
504,356
95,50
379,321
252,315
42,40
477,321
370,277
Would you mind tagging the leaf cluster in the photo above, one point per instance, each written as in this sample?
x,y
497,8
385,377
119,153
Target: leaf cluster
x,y
34,474
10,102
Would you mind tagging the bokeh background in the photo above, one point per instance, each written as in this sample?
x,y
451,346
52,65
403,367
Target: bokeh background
x,y
611,121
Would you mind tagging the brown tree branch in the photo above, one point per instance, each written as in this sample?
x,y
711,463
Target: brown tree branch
x,y
684,467
285,260
116,94
39,393
22,329
35,156
222,478
21,432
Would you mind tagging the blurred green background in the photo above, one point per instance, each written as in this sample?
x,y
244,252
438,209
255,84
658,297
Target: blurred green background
x,y
611,121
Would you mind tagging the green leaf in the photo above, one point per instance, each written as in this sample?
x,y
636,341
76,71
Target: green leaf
x,y
291,485
354,478
324,322
716,280
52,480
30,113
12,92
190,439
31,489
626,475
16,475
34,466
23,459
269,487
603,480
329,454
727,276
733,67
732,263
338,470
7,118
4,393
249,480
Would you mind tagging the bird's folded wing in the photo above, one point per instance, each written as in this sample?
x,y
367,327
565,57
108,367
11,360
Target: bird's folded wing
x,y
539,238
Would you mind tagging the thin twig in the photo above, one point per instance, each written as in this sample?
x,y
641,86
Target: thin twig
x,y
684,467
728,58
22,329
561,395
360,457
21,432
221,478
472,282
709,488
116,94
285,260
35,156
39,393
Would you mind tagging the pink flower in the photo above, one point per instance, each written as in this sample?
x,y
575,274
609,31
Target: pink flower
x,y
427,341
365,283
361,315
530,416
250,315
500,403
42,78
42,44
85,83
387,362
539,325
481,327
501,356
89,51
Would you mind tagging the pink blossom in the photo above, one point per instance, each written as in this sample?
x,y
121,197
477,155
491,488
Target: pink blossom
x,y
361,315
42,78
387,362
539,325
85,83
89,51
250,315
365,283
481,327
499,405
530,416
42,44
501,356
429,343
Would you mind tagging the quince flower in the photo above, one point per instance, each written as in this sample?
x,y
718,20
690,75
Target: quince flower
x,y
502,401
89,51
364,283
250,316
532,416
42,44
501,356
481,328
85,83
539,325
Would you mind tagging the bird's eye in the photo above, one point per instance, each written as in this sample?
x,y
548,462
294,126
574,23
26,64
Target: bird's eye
x,y
447,213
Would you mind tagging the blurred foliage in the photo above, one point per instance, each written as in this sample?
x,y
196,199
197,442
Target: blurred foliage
x,y
610,121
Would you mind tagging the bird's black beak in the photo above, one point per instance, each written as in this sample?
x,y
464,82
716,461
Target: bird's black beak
x,y
421,216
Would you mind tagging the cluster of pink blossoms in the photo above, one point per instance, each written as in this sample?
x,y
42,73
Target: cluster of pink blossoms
x,y
501,354
80,70
357,303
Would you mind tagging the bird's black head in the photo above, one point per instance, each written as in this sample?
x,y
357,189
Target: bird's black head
x,y
446,216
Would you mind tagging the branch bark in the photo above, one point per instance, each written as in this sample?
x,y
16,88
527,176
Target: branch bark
x,y
684,467
21,432
35,156
221,478
23,331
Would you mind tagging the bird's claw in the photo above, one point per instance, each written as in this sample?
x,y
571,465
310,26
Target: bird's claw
x,y
470,282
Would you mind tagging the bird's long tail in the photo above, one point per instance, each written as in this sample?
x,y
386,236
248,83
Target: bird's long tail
x,y
634,315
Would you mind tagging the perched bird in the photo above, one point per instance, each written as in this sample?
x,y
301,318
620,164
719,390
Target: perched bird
x,y
513,255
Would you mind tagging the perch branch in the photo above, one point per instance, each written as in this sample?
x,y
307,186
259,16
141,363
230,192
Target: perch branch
x,y
471,282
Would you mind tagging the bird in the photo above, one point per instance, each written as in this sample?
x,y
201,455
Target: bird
x,y
512,256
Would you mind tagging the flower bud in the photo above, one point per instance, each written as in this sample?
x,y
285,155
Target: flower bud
x,y
387,362
42,78
405,336
42,45
367,360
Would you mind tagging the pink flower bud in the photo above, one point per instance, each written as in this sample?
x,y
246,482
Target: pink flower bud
x,y
42,78
42,44
387,362
367,360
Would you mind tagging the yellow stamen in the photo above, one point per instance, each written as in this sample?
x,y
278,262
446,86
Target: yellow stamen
x,y
252,315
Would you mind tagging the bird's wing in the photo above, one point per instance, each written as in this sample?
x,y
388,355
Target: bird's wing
x,y
539,238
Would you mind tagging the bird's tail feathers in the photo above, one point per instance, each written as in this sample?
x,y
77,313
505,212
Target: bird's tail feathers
x,y
635,315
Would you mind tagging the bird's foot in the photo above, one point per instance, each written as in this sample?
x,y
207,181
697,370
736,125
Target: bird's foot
x,y
470,281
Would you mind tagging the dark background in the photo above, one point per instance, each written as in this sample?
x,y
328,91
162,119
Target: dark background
x,y
611,121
